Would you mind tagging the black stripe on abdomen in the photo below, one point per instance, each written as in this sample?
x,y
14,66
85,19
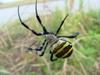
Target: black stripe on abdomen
x,y
57,48
69,54
64,51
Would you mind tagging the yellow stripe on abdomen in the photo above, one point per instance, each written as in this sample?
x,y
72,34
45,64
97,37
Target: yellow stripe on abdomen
x,y
60,50
67,53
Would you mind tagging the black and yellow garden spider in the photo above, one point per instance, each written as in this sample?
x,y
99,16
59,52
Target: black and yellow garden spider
x,y
60,47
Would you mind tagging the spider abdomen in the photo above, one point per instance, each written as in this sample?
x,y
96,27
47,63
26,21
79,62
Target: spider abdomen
x,y
62,49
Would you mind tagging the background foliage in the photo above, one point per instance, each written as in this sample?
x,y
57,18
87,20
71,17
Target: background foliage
x,y
14,60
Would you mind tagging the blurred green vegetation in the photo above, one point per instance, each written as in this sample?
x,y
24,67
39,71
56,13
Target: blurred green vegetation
x,y
84,61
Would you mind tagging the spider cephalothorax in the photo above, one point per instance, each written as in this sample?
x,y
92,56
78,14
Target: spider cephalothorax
x,y
60,47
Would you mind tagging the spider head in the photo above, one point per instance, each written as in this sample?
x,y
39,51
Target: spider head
x,y
51,38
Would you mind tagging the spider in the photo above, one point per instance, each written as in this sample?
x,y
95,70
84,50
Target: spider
x,y
60,46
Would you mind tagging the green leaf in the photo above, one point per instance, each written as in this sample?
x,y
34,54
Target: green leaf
x,y
3,70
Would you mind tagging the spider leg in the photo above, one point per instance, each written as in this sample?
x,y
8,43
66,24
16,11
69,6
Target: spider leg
x,y
37,49
44,50
51,57
44,45
26,26
71,36
62,22
39,20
